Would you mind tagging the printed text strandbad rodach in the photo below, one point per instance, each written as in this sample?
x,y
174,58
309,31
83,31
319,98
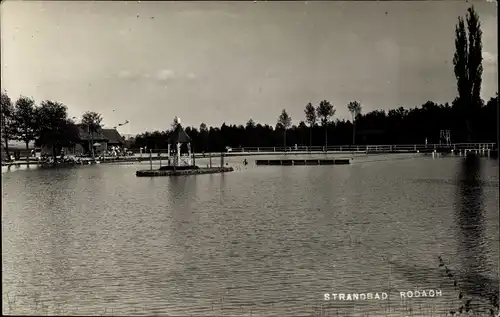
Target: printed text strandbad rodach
x,y
428,293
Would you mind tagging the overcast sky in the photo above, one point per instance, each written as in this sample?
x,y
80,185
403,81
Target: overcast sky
x,y
231,61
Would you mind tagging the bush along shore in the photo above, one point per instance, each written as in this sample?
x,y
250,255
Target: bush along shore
x,y
466,305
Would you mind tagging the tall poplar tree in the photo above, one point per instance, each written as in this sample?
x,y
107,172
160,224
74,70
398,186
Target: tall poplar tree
x,y
468,68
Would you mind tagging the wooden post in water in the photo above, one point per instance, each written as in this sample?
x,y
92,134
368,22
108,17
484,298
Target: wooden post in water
x,y
221,159
210,159
168,154
194,158
150,159
159,155
175,162
178,158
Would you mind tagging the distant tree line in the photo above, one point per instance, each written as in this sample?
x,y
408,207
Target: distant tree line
x,y
396,126
47,124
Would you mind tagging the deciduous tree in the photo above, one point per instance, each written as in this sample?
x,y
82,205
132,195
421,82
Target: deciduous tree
x,y
311,119
354,108
6,121
93,122
204,135
325,112
25,121
55,128
285,121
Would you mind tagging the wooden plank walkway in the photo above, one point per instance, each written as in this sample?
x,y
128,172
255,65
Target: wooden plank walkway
x,y
302,162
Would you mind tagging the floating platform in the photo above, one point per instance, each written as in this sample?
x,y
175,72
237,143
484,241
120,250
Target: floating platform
x,y
199,170
178,168
303,162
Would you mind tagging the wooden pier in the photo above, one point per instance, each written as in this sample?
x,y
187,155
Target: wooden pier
x,y
193,171
302,162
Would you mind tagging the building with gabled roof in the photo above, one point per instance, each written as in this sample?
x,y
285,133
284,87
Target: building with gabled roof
x,y
113,137
102,139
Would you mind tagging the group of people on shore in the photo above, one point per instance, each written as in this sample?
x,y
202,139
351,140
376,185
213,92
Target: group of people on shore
x,y
112,152
18,155
117,151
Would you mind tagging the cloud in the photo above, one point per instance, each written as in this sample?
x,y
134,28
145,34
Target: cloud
x,y
165,74
489,58
125,74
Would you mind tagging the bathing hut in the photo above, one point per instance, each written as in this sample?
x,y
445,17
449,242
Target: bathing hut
x,y
176,140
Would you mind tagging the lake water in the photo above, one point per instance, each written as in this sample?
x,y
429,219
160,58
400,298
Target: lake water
x,y
259,241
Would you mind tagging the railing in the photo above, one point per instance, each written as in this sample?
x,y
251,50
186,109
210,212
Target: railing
x,y
366,148
384,148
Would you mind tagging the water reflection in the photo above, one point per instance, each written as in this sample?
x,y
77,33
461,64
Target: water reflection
x,y
179,194
471,230
267,240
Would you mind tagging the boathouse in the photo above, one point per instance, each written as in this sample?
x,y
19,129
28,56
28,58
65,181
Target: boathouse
x,y
102,139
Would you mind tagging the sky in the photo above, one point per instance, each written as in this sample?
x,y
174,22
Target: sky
x,y
215,62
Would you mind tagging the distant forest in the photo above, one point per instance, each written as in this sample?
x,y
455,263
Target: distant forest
x,y
397,126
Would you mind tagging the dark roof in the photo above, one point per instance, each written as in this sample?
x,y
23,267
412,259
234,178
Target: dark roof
x,y
113,136
178,136
84,135
103,135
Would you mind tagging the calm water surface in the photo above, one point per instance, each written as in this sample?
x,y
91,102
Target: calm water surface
x,y
257,241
